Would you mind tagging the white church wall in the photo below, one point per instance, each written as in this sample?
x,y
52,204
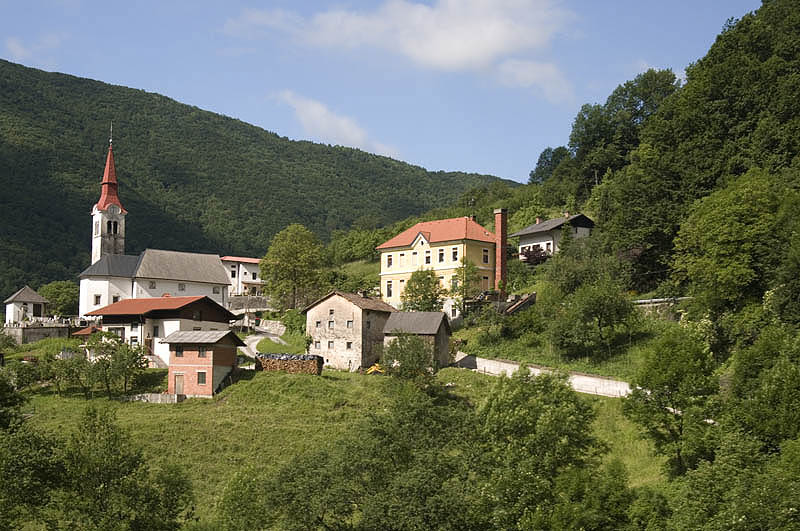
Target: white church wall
x,y
107,288
145,288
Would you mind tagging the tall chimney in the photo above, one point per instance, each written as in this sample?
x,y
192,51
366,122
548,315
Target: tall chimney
x,y
500,232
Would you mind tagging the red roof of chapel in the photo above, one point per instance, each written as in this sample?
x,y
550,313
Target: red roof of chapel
x,y
109,195
441,230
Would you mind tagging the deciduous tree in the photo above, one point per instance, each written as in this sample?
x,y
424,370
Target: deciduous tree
x,y
290,269
423,292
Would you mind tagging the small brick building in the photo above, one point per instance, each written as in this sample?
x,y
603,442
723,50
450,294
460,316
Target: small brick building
x,y
199,361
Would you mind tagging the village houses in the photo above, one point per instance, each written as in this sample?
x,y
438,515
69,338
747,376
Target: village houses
x,y
547,234
200,361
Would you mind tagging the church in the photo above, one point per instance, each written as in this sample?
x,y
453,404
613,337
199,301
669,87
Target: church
x,y
114,276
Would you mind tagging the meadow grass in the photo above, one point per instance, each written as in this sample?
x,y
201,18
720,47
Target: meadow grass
x,y
296,344
265,420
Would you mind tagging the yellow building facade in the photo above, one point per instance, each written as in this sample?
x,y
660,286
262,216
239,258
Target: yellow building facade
x,y
439,246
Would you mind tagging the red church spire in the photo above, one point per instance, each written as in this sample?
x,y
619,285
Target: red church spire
x,y
109,195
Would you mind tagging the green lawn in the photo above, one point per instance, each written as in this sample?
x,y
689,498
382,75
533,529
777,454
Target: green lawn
x,y
296,344
623,362
265,420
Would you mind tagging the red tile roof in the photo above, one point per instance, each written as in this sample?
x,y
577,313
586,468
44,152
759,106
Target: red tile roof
x,y
108,194
142,306
441,230
241,259
89,330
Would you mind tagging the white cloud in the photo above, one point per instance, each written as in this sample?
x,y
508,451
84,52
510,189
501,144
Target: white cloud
x,y
544,76
450,35
35,52
322,124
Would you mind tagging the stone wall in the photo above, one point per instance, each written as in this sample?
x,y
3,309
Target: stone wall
x,y
31,334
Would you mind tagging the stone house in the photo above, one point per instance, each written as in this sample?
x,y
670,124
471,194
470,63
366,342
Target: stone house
x,y
346,329
547,234
25,305
148,321
199,361
433,327
440,246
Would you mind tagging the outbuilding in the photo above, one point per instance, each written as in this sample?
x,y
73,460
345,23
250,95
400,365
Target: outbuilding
x,y
433,327
199,361
25,305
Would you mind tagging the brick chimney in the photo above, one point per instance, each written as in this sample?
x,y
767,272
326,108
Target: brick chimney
x,y
500,231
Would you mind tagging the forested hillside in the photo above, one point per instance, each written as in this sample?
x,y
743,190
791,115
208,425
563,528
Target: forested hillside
x,y
191,179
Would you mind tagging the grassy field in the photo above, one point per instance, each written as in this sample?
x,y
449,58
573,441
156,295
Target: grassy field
x,y
265,420
622,362
296,344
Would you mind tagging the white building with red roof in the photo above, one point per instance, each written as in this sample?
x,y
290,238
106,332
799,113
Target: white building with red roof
x,y
244,273
147,321
114,276
440,246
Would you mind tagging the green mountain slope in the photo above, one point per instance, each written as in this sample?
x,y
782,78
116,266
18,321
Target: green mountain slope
x,y
190,179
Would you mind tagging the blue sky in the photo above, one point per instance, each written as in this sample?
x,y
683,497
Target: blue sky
x,y
472,85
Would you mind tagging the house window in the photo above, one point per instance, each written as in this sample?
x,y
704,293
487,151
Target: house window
x,y
330,312
318,324
196,328
96,300
197,315
201,352
215,290
549,247
402,284
486,256
485,282
441,281
388,260
330,345
115,298
233,273
179,351
96,228
244,273
330,324
134,326
134,341
455,254
201,377
414,258
369,325
441,255
152,284
454,282
427,257
181,287
350,324
255,276
454,312
316,344
155,331
388,288
349,345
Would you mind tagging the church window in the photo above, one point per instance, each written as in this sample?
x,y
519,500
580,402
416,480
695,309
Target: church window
x,y
96,300
152,284
108,226
181,287
114,225
215,290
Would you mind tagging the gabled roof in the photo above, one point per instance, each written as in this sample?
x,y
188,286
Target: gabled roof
x,y
175,265
26,294
89,330
113,265
241,259
108,194
441,230
197,337
143,306
576,220
365,303
422,323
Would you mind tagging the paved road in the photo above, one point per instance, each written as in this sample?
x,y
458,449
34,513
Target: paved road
x,y
251,341
582,383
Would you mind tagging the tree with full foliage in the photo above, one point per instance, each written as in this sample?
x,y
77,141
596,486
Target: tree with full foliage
x,y
10,402
95,479
114,362
670,398
423,292
290,270
548,160
63,296
466,283
409,357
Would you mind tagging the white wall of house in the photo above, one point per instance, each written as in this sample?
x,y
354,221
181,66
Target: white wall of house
x,y
107,288
243,275
150,287
549,241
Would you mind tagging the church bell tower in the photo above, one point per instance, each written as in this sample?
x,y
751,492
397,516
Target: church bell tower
x,y
108,215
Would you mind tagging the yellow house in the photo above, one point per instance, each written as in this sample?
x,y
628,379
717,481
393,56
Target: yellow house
x,y
440,245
